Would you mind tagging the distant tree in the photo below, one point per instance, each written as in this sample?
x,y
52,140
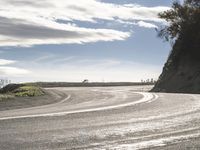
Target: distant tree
x,y
180,18
85,81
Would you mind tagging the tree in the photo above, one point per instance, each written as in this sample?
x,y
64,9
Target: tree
x,y
180,18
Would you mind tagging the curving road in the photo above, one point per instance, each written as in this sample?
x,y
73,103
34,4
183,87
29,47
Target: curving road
x,y
105,118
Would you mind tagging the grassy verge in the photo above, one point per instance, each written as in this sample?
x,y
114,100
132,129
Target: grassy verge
x,y
20,90
28,91
6,97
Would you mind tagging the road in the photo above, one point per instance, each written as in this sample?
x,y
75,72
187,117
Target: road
x,y
105,118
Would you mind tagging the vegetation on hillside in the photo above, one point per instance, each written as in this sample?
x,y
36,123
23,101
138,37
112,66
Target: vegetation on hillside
x,y
181,18
181,71
183,27
29,91
20,90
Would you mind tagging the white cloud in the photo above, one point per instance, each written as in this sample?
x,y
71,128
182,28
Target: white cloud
x,y
84,10
15,32
146,24
6,62
139,23
31,22
12,71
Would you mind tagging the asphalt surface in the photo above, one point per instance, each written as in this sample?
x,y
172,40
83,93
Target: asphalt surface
x,y
105,118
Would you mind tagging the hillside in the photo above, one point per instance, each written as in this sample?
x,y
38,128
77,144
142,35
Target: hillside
x,y
181,72
22,90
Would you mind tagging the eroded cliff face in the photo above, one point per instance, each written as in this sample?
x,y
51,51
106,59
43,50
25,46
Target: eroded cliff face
x,y
181,72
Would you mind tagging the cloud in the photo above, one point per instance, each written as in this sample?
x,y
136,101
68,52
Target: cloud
x,y
15,32
12,71
84,10
6,62
31,22
146,24
139,23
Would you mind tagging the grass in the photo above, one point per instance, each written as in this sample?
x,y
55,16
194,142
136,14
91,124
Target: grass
x,y
6,97
20,90
28,91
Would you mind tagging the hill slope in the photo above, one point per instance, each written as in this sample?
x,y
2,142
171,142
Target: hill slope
x,y
22,90
181,72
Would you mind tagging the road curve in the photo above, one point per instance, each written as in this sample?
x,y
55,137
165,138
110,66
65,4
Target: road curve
x,y
104,118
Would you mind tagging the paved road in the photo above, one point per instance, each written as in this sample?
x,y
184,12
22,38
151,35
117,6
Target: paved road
x,y
105,118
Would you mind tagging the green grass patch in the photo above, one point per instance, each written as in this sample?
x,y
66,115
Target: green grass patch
x,y
20,90
28,91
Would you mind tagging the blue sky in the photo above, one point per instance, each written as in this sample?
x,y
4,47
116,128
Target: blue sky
x,y
108,40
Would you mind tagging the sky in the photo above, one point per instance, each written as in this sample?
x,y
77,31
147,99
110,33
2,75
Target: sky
x,y
98,40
